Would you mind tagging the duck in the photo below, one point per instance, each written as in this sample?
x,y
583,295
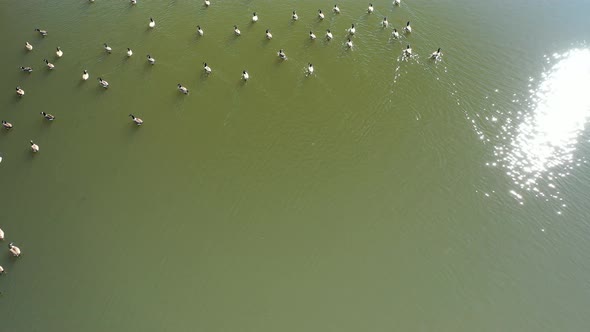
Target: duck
x,y
294,16
150,59
370,9
49,64
349,43
320,14
28,46
385,23
1,231
329,35
133,2
152,23
103,83
268,34
207,3
310,69
27,69
397,2
49,117
282,54
2,270
245,75
311,35
182,89
206,68
254,17
199,30
352,29
408,28
336,9
129,52
137,121
395,34
408,51
436,54
7,126
59,52
237,31
20,92
34,147
85,75
107,48
14,250
41,32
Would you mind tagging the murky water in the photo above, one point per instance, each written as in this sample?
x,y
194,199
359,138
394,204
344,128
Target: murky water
x,y
375,194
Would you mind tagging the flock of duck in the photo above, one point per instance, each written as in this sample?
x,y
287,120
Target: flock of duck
x,y
406,53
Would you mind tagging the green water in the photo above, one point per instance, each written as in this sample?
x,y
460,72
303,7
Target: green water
x,y
369,196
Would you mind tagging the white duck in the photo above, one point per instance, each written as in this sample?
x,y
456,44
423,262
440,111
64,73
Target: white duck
x,y
207,3
408,28
20,92
14,250
133,2
311,35
48,116
408,51
254,17
59,52
352,29
129,52
85,75
329,35
151,60
7,126
152,23
294,16
2,270
370,9
28,46
237,31
206,68
385,23
34,147
107,48
268,34
395,34
182,89
103,83
282,54
49,64
310,69
320,14
245,75
200,31
336,9
397,2
349,43
436,54
137,121
1,231
41,32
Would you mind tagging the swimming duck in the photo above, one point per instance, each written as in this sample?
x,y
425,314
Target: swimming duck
x,y
14,250
320,14
294,16
41,32
268,34
349,43
103,83
129,52
370,9
133,2
408,51
150,59
28,46
310,69
311,35
245,75
329,35
254,17
436,54
34,147
199,30
85,75
107,48
152,23
137,121
385,23
207,3
59,52
408,28
182,89
7,126
206,68
20,92
396,2
48,116
282,54
1,231
336,9
49,64
27,69
2,270
395,34
352,29
237,31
